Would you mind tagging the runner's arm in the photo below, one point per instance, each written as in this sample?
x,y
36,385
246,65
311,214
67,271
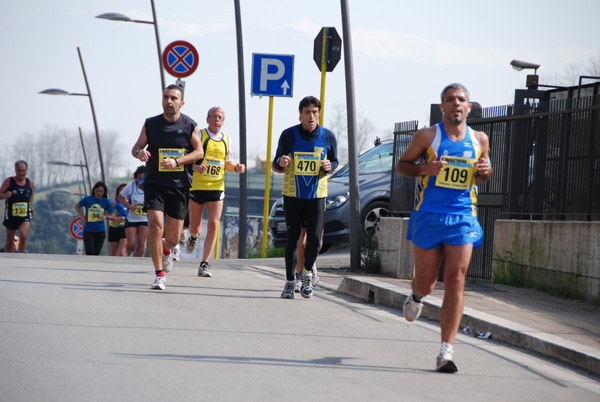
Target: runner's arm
x,y
198,151
483,164
407,165
4,194
31,198
138,150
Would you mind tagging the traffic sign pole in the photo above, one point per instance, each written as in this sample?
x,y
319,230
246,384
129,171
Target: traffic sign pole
x,y
323,74
327,52
267,181
272,75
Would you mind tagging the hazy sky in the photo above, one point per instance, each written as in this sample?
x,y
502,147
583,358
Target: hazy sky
x,y
404,53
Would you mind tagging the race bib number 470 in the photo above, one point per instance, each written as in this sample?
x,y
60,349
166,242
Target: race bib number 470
x,y
457,174
307,163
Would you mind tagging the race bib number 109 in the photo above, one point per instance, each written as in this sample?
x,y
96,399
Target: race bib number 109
x,y
457,174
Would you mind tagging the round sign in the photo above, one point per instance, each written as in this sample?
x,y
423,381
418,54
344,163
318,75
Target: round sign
x,y
180,59
76,228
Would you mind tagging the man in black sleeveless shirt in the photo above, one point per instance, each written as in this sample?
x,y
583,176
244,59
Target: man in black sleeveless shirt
x,y
18,193
169,143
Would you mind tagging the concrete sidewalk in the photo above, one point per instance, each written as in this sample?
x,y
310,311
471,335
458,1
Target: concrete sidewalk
x,y
565,330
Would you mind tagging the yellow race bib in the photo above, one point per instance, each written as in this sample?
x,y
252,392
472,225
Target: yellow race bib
x,y
307,163
20,209
139,210
214,168
95,213
457,174
170,153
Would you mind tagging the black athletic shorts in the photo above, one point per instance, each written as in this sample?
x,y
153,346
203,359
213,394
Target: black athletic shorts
x,y
173,201
135,224
115,234
13,223
203,196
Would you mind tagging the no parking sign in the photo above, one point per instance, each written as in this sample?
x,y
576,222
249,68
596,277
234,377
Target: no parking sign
x,y
76,228
180,59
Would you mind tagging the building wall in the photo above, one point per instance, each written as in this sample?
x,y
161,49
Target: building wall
x,y
556,255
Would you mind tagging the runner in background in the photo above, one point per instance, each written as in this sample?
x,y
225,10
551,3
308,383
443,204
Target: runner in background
x,y
208,186
116,229
136,224
18,210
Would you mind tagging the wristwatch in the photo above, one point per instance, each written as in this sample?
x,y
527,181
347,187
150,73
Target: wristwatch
x,y
138,151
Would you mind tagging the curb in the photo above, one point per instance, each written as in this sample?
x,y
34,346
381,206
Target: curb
x,y
505,331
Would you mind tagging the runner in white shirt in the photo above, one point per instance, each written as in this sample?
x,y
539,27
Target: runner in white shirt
x,y
136,222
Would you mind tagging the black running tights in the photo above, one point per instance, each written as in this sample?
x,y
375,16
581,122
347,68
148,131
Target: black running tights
x,y
303,212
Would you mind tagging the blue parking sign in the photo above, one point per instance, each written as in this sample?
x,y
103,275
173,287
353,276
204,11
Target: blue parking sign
x,y
272,74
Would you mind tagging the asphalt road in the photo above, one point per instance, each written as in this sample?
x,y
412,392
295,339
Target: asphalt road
x,y
91,329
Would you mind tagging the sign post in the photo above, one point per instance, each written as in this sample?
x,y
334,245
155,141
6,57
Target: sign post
x,y
272,75
76,230
327,53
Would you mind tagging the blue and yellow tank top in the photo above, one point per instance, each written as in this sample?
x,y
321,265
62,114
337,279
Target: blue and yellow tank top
x,y
454,190
304,177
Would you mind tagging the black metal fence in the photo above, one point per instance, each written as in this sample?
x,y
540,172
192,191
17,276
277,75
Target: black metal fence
x,y
546,160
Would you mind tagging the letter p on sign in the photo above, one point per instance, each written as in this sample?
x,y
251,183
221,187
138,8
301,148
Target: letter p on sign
x,y
265,75
272,75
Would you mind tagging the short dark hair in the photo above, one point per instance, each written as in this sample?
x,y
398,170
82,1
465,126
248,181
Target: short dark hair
x,y
176,87
309,100
455,85
100,184
17,163
141,169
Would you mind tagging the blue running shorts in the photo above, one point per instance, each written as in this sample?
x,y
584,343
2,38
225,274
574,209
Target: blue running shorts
x,y
432,230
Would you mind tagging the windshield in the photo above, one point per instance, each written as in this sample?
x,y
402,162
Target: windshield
x,y
375,160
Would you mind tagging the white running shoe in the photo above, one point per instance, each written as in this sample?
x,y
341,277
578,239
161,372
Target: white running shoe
x,y
315,275
159,283
297,283
175,253
444,361
306,290
203,270
183,238
288,290
167,261
412,309
191,244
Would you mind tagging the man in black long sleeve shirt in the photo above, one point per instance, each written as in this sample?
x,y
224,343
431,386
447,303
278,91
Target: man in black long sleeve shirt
x,y
306,153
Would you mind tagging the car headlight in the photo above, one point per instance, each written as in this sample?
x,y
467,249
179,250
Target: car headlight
x,y
278,205
337,201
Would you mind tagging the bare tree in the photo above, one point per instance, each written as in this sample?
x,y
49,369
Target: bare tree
x,y
365,131
57,144
112,153
572,72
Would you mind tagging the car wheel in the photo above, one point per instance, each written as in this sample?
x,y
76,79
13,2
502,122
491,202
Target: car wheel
x,y
370,216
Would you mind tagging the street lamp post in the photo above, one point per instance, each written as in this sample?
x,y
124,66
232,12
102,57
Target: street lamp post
x,y
87,166
55,91
79,165
124,18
